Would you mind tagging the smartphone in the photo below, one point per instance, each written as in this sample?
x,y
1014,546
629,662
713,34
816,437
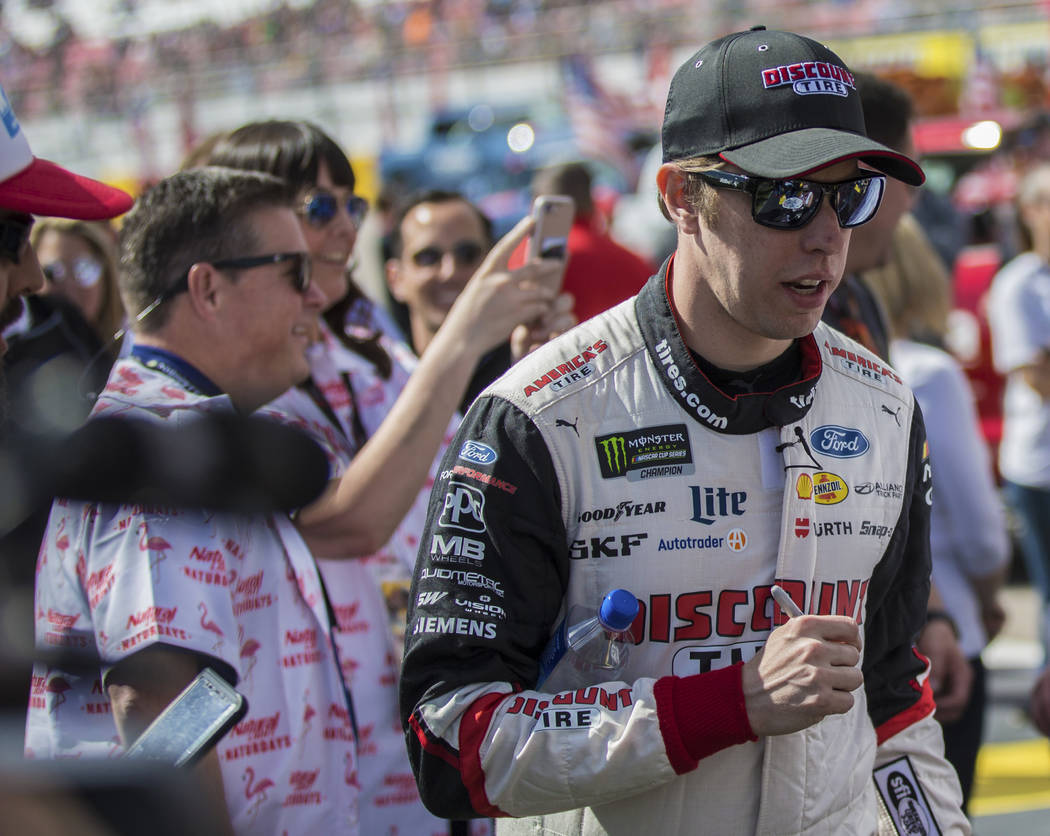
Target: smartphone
x,y
550,238
195,721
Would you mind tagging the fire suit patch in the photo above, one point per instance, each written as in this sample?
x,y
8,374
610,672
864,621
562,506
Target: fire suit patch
x,y
645,453
904,799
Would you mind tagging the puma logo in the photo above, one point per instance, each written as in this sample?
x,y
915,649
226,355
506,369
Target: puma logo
x,y
561,422
896,415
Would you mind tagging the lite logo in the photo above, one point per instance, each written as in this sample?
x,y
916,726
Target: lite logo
x,y
464,508
710,503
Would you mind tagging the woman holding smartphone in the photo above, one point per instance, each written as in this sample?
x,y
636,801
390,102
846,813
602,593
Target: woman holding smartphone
x,y
383,417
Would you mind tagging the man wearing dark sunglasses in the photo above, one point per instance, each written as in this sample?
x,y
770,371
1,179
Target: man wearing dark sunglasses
x,y
215,265
440,238
697,445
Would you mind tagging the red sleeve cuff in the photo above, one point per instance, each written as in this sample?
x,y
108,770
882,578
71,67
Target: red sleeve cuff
x,y
702,714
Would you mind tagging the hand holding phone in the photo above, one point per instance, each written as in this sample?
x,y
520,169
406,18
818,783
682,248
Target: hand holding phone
x,y
192,723
553,214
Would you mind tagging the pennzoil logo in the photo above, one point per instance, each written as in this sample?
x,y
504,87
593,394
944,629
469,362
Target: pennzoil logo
x,y
647,453
829,489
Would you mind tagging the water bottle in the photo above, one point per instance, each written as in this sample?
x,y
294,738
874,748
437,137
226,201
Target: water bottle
x,y
589,647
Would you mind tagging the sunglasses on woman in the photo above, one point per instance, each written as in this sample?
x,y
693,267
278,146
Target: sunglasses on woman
x,y
84,271
320,206
791,204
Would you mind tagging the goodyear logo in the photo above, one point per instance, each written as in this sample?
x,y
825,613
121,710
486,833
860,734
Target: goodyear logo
x,y
829,489
646,453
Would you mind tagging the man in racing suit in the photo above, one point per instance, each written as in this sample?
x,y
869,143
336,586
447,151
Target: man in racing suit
x,y
696,445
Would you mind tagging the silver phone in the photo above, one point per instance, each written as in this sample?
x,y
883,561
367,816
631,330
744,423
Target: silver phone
x,y
192,723
550,238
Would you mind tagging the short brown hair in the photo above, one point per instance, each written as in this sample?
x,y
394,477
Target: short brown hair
x,y
699,193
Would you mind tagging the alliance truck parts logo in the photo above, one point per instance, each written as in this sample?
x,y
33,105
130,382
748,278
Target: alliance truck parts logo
x,y
648,453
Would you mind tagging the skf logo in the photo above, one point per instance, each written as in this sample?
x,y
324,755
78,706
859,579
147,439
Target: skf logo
x,y
809,77
804,486
801,527
606,546
829,489
476,452
736,540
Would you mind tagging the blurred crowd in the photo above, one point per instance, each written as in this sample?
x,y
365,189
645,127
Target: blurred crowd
x,y
326,41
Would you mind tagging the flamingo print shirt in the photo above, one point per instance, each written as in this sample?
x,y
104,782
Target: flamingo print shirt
x,y
241,590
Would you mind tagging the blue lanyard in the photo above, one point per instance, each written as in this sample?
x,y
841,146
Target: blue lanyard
x,y
175,367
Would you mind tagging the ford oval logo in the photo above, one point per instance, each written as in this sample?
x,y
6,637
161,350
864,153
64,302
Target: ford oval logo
x,y
475,451
840,442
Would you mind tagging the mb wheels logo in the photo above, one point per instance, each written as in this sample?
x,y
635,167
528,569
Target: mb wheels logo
x,y
647,453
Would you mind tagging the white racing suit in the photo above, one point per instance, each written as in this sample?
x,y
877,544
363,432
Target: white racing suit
x,y
607,459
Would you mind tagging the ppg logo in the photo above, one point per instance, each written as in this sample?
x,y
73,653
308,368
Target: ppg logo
x,y
476,452
464,509
838,442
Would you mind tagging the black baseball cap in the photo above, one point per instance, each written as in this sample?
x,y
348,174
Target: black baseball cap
x,y
775,104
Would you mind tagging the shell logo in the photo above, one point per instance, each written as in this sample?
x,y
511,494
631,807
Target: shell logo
x,y
829,489
736,539
804,486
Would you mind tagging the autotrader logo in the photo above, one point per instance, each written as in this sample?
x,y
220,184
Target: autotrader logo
x,y
646,453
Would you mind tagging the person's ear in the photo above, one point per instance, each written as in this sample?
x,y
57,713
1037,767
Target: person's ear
x,y
394,280
205,289
673,185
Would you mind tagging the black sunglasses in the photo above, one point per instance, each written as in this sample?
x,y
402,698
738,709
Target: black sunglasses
x,y
300,272
791,204
14,232
464,254
320,206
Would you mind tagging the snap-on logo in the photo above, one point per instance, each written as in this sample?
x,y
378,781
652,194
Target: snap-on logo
x,y
838,442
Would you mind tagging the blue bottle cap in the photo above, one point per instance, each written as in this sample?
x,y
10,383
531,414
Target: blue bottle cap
x,y
618,610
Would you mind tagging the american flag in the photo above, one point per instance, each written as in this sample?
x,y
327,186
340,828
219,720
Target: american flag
x,y
602,122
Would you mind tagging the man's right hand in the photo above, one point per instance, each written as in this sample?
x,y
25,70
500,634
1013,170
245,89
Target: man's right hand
x,y
806,670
